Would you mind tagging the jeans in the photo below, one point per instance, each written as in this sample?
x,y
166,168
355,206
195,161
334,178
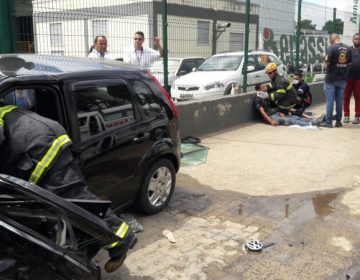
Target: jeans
x,y
334,93
292,120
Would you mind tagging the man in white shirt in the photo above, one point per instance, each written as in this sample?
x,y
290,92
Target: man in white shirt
x,y
99,49
140,55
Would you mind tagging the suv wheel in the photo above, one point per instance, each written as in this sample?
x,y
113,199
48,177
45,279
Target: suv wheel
x,y
158,187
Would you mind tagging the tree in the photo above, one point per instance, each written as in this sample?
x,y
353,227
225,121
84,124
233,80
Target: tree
x,y
339,26
307,24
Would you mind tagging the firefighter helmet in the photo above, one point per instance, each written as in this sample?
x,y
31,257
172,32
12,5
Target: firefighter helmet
x,y
271,67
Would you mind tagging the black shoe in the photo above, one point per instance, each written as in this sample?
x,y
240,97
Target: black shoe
x,y
114,263
118,253
338,124
326,124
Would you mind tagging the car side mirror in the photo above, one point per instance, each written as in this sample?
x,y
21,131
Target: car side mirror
x,y
250,68
193,69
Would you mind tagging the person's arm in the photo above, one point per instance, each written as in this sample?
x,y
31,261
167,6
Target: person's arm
x,y
267,118
158,46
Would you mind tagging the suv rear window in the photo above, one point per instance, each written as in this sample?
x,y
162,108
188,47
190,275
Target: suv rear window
x,y
151,105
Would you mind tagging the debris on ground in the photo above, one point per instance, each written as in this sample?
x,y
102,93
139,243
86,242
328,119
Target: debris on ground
x,y
169,235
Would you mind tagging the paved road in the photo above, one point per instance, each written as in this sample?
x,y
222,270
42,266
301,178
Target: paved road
x,y
296,189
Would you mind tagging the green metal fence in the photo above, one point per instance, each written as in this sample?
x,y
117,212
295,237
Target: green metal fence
x,y
188,28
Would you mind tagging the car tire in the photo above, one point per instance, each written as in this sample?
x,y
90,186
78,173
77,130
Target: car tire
x,y
157,187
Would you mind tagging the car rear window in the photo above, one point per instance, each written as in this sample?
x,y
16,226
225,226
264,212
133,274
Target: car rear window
x,y
152,106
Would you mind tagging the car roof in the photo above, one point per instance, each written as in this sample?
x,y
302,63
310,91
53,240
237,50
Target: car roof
x,y
12,65
242,53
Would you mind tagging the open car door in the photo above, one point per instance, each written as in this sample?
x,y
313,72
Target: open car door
x,y
43,236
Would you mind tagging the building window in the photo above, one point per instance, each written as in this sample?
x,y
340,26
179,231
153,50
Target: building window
x,y
99,27
56,38
203,28
236,41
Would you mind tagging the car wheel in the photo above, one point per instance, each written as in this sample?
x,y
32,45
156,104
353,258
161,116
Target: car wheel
x,y
158,186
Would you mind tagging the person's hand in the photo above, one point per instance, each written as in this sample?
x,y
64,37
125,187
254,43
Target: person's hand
x,y
274,123
157,41
281,114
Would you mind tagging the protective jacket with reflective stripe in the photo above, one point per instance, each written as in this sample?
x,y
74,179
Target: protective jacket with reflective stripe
x,y
30,143
282,92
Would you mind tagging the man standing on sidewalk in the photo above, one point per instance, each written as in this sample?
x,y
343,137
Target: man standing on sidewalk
x,y
353,83
142,56
337,58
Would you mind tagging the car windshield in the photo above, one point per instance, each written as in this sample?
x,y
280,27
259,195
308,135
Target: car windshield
x,y
221,63
158,66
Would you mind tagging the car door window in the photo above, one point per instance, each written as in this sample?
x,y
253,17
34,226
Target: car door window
x,y
149,102
275,60
199,62
252,62
102,108
186,67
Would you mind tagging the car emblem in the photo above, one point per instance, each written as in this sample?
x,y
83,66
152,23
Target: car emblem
x,y
187,88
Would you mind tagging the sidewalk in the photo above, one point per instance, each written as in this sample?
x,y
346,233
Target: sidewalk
x,y
297,190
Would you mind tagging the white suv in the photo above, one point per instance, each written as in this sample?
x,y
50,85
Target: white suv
x,y
219,74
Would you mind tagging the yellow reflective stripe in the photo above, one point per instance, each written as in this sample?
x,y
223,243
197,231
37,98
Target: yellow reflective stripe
x,y
281,91
121,233
272,96
4,110
290,86
48,158
1,122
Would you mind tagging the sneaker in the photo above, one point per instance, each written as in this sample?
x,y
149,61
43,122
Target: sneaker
x,y
326,124
347,119
338,124
356,120
319,120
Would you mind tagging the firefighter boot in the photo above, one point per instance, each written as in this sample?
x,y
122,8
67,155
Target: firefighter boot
x,y
118,250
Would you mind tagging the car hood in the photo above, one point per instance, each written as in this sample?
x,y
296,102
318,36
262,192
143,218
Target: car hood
x,y
202,78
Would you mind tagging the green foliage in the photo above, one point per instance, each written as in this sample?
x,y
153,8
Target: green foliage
x,y
339,26
307,24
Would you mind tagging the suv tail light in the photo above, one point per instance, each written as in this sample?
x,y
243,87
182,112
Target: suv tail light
x,y
167,95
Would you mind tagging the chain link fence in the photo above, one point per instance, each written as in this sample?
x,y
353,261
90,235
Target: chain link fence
x,y
195,29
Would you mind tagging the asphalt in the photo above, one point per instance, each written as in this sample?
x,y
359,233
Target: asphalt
x,y
296,190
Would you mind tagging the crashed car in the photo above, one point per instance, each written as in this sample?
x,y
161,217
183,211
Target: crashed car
x,y
43,236
122,123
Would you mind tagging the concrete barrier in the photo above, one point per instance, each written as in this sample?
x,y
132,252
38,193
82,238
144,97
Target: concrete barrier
x,y
208,116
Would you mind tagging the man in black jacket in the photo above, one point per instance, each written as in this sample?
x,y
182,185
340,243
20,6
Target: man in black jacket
x,y
38,150
281,91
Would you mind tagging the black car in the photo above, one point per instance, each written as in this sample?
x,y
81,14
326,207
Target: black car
x,y
123,124
46,237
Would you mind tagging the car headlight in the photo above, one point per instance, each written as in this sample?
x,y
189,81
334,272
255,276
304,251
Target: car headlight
x,y
214,85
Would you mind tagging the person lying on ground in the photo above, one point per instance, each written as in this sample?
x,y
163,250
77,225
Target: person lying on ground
x,y
271,114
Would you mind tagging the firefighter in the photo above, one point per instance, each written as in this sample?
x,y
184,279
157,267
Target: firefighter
x,y
38,150
281,91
